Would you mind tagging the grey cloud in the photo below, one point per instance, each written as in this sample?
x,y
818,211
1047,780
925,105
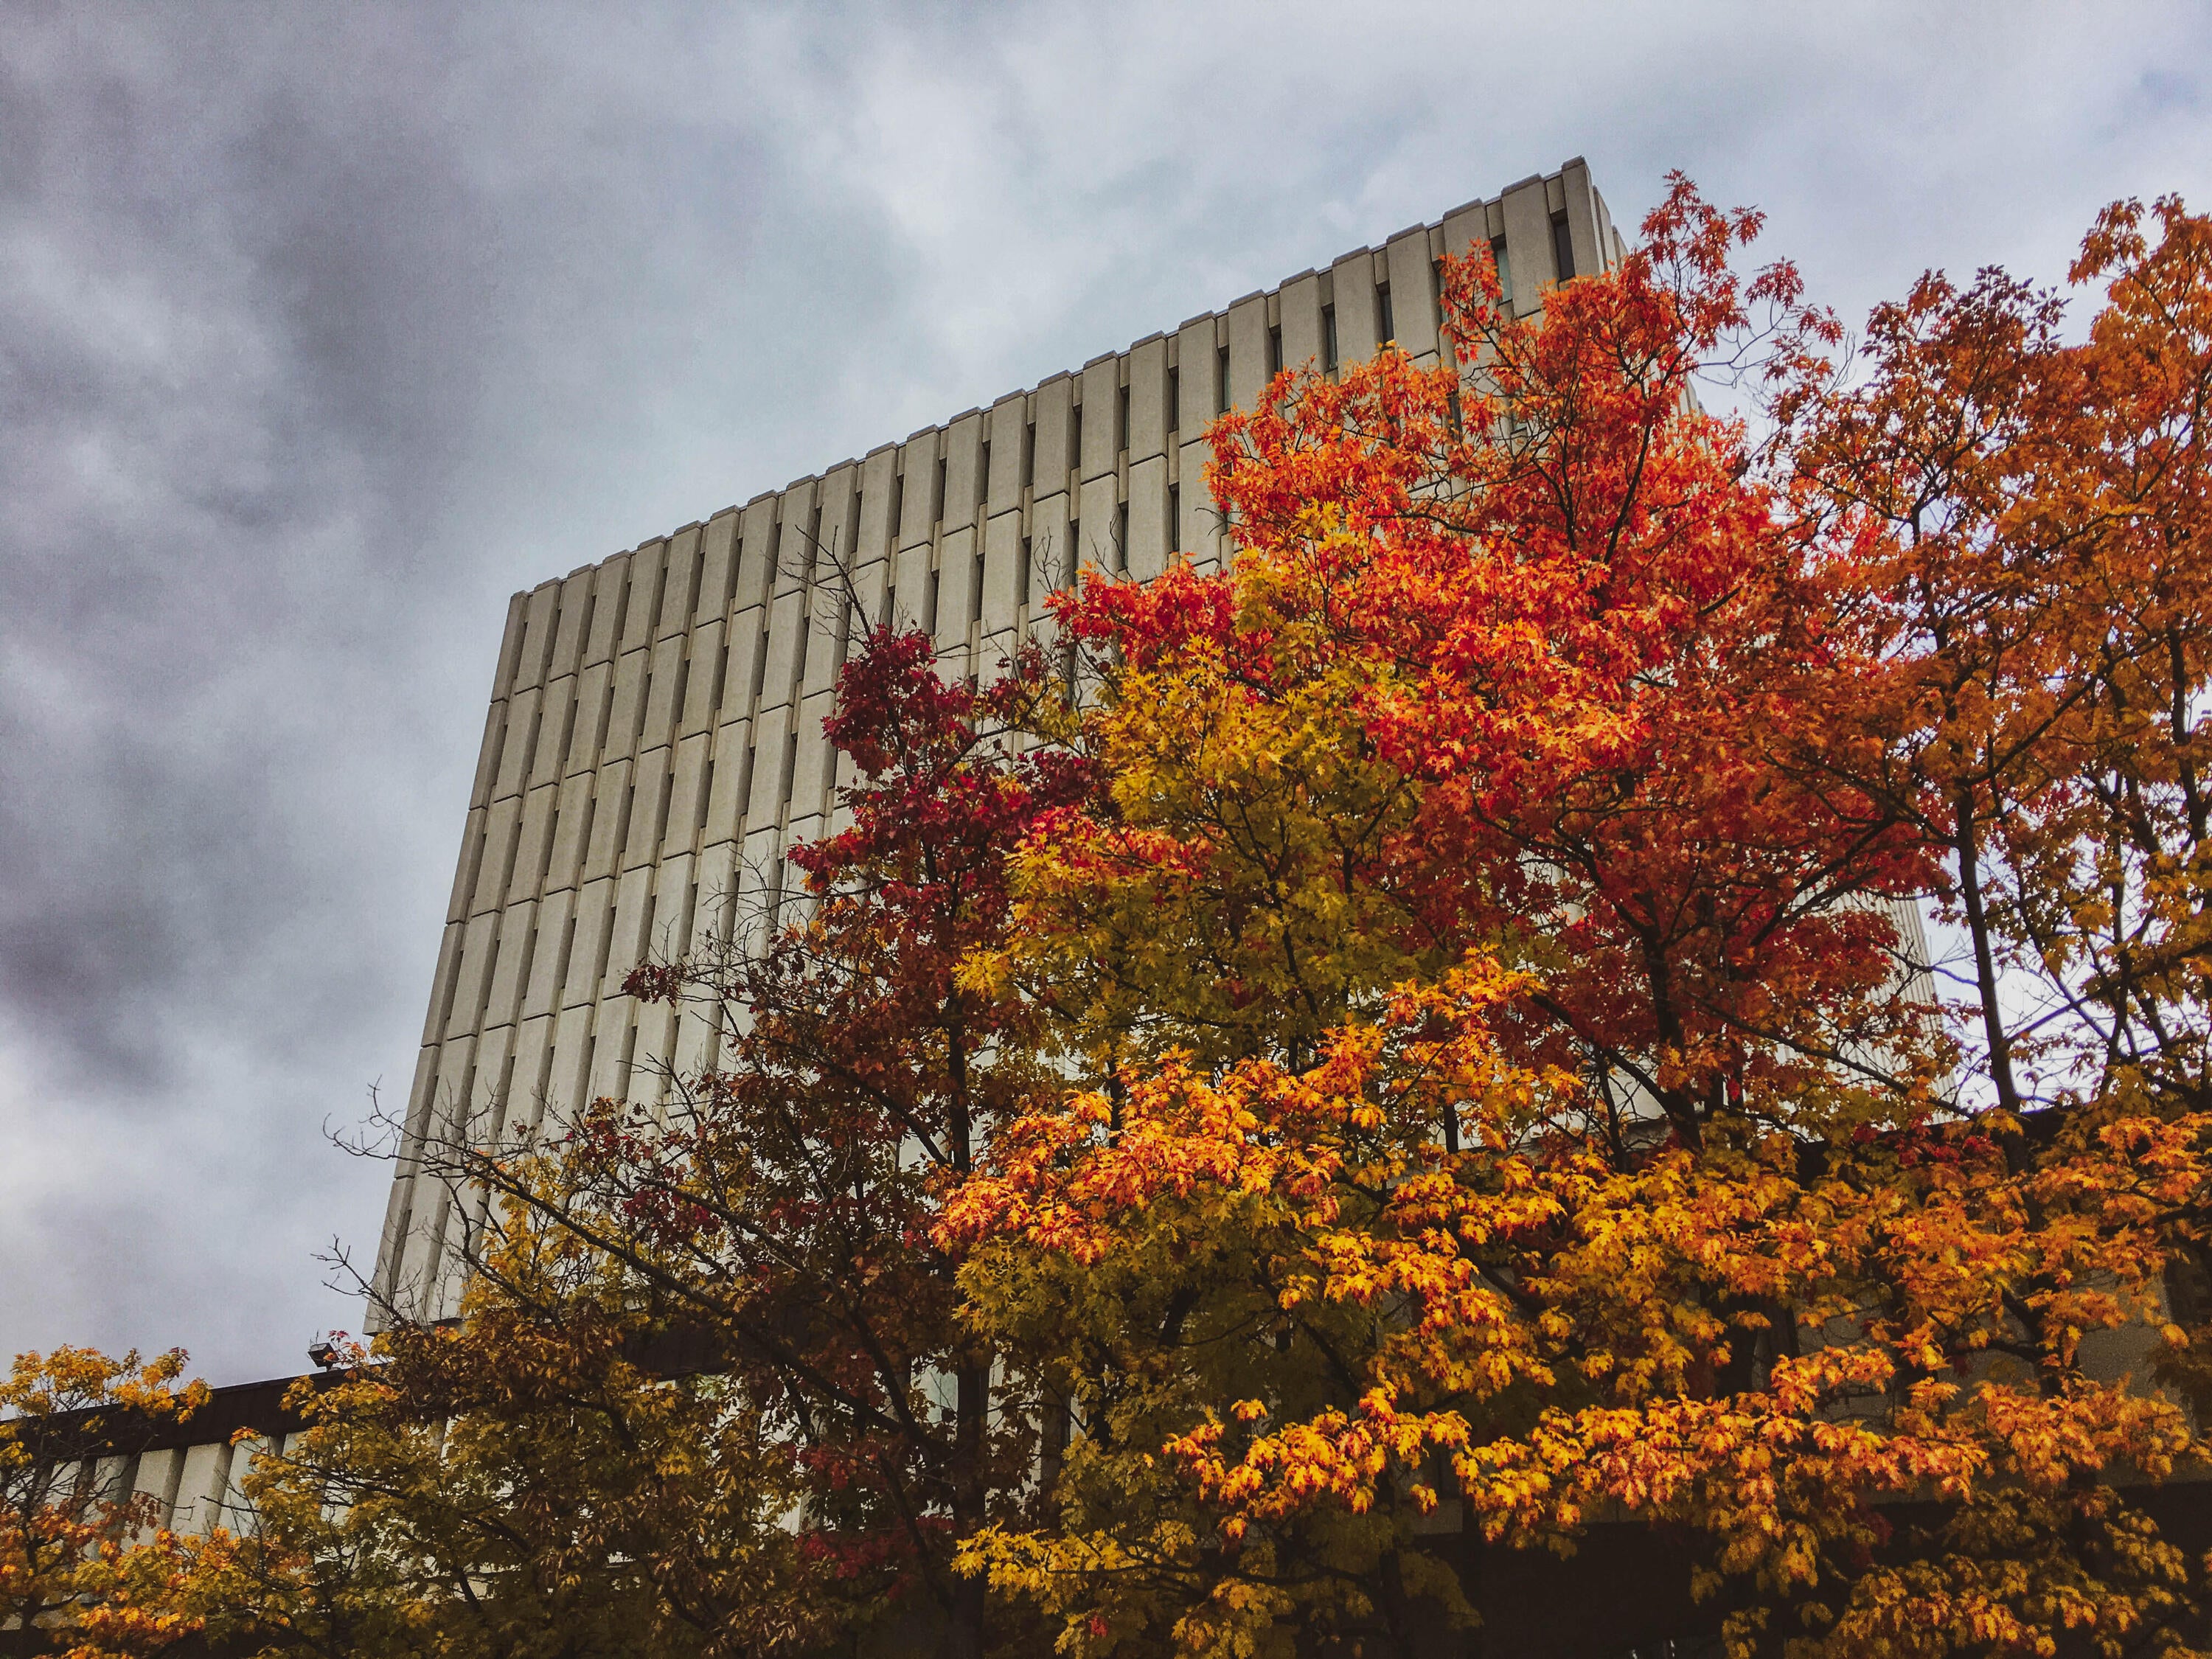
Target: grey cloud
x,y
323,328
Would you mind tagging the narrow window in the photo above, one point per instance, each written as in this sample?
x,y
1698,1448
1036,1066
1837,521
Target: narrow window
x,y
621,834
1121,420
605,719
1027,555
1563,247
490,979
760,665
1328,339
813,534
1175,516
1074,560
606,943
622,611
706,794
984,475
806,643
937,501
561,745
453,994
1028,455
667,795
1221,381
976,587
1175,400
1275,352
507,1089
1075,435
1386,324
522,979
506,863
898,505
790,766
530,747
1122,539
583,843
929,616
545,856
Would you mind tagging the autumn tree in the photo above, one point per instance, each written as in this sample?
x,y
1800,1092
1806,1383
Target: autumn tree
x,y
1411,1037
779,1207
545,1476
2036,579
85,1564
1498,1077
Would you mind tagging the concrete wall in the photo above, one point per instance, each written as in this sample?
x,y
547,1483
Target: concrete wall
x,y
654,739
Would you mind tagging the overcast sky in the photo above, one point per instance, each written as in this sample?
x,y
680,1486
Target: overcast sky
x,y
323,328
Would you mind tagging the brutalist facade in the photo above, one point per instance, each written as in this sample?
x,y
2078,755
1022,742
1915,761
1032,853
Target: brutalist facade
x,y
654,739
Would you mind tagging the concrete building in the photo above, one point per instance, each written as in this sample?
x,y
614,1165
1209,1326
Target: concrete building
x,y
654,739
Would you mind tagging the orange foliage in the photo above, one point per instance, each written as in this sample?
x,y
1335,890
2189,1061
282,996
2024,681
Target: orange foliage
x,y
88,1564
1505,1082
